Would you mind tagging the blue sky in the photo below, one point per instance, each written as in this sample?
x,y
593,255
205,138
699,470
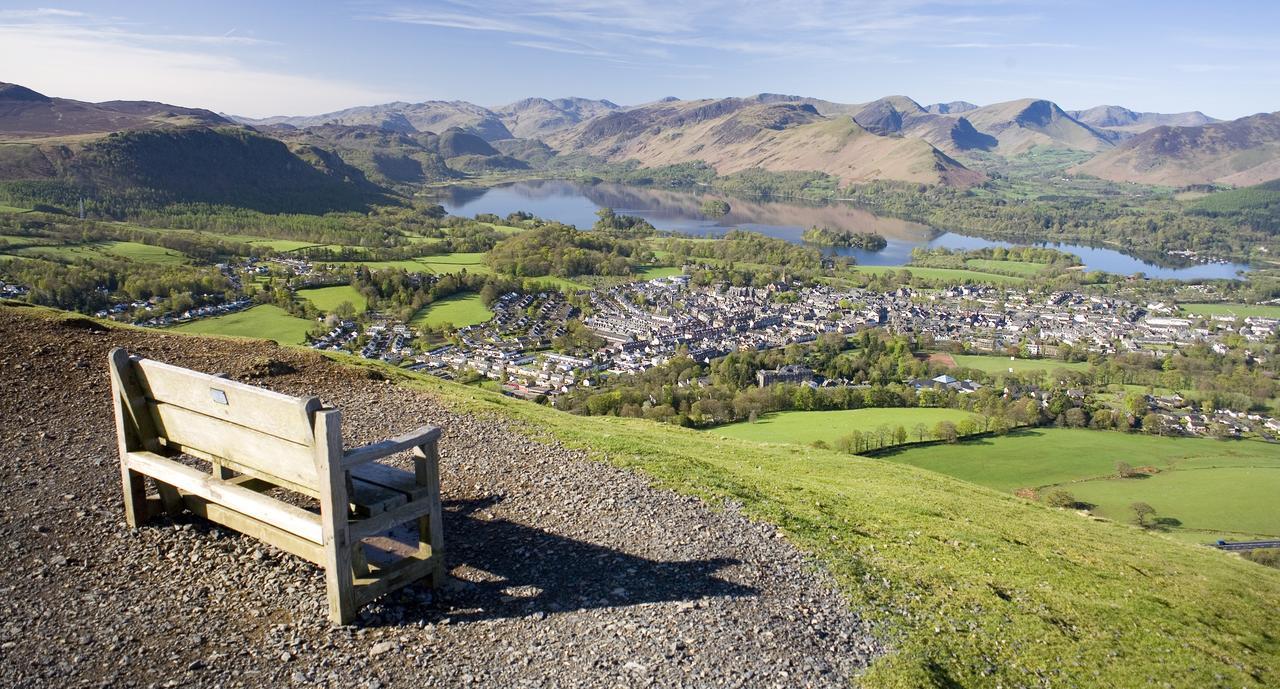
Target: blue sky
x,y
265,57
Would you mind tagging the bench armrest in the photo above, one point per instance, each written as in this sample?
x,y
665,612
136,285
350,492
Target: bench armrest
x,y
367,453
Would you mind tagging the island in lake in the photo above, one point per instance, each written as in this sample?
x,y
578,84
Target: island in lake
x,y
825,236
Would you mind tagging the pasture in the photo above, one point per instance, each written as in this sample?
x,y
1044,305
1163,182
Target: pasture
x,y
1002,364
1019,268
266,321
948,275
1213,486
328,298
807,427
1237,310
460,309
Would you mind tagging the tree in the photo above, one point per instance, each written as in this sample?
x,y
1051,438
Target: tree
x,y
945,430
921,431
752,417
967,426
1123,470
1060,498
1153,423
1142,511
899,435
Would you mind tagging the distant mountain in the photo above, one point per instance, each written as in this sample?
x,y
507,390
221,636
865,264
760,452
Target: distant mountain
x,y
1240,152
733,134
1022,124
157,153
1126,120
430,116
534,118
955,107
26,114
902,116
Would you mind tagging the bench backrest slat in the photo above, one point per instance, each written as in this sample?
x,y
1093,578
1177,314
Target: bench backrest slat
x,y
266,432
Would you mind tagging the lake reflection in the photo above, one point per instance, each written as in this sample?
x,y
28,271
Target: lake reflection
x,y
680,211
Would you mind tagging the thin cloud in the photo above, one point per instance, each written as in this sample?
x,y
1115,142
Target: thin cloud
x,y
994,46
98,60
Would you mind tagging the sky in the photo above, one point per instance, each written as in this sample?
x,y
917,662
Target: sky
x,y
273,57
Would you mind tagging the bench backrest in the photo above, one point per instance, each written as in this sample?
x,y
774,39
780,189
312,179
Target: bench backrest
x,y
245,428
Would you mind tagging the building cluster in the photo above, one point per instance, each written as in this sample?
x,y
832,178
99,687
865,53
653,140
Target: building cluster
x,y
513,347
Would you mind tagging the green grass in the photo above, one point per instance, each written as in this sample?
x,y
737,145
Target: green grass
x,y
144,253
1002,364
805,427
13,209
460,309
653,272
405,265
456,263
282,244
1239,310
952,275
1021,268
267,321
14,241
133,251
969,587
1209,502
328,298
1197,471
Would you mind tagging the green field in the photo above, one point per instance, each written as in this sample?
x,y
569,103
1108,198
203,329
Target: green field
x,y
1002,364
652,272
12,209
460,309
144,253
266,321
953,275
1239,310
805,427
133,251
1081,462
407,265
456,263
1021,268
328,298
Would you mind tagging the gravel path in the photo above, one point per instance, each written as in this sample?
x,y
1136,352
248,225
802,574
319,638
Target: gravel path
x,y
566,572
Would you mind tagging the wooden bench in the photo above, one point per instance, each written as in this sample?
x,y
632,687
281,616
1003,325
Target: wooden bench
x,y
257,441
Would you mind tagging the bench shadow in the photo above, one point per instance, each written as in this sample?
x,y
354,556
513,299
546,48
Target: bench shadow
x,y
501,569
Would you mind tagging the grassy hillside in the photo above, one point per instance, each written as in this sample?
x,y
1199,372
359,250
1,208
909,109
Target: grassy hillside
x,y
223,165
971,586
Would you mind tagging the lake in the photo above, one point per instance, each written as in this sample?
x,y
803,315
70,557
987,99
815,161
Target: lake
x,y
680,211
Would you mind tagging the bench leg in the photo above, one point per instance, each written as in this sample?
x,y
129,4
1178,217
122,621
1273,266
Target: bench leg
x,y
135,496
431,527
170,499
339,578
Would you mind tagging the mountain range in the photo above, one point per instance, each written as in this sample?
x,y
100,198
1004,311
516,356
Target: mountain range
x,y
352,154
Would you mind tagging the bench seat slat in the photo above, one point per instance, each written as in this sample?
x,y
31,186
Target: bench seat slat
x,y
391,478
290,518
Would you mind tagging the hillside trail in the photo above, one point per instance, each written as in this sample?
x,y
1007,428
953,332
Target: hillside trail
x,y
565,571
